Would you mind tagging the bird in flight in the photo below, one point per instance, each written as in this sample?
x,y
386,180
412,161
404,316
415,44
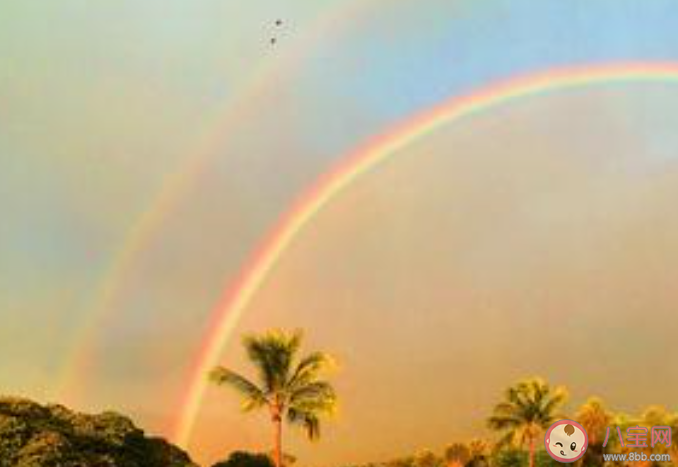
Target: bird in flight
x,y
278,23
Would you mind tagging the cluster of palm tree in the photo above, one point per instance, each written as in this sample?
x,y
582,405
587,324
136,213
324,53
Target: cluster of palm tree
x,y
531,406
520,421
474,454
292,388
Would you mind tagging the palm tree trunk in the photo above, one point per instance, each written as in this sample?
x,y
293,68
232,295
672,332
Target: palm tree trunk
x,y
532,451
277,446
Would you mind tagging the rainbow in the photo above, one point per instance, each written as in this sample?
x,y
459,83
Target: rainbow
x,y
178,182
363,160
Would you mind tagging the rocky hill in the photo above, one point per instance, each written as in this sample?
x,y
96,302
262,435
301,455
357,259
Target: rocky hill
x,y
33,435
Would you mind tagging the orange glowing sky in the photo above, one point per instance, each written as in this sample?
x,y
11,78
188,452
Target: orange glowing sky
x,y
540,236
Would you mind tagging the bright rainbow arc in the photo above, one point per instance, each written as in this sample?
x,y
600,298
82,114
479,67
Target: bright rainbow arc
x,y
366,158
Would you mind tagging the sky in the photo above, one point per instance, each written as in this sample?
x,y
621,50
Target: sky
x,y
148,147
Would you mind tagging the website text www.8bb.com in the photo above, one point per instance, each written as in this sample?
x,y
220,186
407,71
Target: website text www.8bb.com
x,y
637,457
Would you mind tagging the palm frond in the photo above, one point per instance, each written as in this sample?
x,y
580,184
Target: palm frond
x,y
253,396
307,420
313,391
273,354
498,422
308,369
552,404
506,440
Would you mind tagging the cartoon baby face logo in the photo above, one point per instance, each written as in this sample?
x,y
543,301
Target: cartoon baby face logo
x,y
566,441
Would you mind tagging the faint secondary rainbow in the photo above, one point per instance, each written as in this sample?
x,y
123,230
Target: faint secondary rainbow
x,y
361,161
174,187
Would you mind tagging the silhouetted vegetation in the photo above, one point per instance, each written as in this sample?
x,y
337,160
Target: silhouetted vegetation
x,y
246,459
290,388
520,421
32,435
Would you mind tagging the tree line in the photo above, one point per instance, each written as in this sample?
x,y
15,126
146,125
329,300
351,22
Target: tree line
x,y
292,387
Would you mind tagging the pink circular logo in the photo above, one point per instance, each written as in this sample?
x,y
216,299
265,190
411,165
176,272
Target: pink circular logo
x,y
566,441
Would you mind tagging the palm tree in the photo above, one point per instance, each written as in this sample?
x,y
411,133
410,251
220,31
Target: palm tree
x,y
658,415
479,447
479,451
289,386
457,455
595,419
528,409
623,421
